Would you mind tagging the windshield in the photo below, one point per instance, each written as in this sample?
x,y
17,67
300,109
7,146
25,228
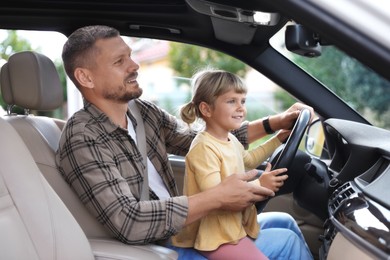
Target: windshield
x,y
360,87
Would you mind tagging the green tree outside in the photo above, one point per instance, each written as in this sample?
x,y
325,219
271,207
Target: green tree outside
x,y
356,84
285,100
13,43
186,59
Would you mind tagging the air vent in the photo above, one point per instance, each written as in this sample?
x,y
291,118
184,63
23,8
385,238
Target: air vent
x,y
339,195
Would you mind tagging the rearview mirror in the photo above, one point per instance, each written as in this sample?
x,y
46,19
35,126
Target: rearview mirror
x,y
302,41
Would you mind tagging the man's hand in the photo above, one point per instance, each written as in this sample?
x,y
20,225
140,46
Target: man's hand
x,y
286,119
234,193
281,121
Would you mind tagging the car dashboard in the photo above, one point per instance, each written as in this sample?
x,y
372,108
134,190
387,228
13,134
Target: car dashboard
x,y
359,203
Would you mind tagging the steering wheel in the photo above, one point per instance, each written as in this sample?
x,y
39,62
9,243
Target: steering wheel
x,y
284,155
282,158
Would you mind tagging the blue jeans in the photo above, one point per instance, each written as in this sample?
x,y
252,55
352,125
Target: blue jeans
x,y
279,238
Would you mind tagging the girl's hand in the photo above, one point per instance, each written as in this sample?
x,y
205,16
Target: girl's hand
x,y
271,179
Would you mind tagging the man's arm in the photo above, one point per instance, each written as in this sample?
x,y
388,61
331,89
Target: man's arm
x,y
284,120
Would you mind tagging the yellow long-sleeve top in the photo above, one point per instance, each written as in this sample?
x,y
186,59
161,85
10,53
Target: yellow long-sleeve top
x,y
207,163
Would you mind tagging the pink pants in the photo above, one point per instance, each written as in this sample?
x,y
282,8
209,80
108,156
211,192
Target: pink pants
x,y
244,249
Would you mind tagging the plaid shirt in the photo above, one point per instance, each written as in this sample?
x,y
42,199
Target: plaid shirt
x,y
102,163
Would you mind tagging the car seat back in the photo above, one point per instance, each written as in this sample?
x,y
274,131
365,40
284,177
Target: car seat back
x,y
30,80
34,222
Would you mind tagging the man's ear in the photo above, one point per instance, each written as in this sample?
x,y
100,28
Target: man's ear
x,y
83,77
205,109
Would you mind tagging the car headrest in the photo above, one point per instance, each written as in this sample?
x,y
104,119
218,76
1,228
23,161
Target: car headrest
x,y
30,80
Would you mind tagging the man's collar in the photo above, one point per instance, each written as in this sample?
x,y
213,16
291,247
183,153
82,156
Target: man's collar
x,y
100,117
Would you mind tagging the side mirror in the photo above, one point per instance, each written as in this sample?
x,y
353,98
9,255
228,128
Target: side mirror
x,y
315,139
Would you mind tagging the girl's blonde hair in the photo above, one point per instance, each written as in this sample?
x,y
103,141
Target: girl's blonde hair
x,y
207,85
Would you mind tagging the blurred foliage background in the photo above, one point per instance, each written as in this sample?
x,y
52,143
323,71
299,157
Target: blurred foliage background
x,y
13,43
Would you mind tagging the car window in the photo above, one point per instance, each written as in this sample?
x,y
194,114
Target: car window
x,y
166,83
165,71
359,86
166,68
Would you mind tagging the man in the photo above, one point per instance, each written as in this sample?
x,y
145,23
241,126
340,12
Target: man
x,y
98,154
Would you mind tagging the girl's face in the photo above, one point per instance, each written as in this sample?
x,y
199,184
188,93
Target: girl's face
x,y
227,113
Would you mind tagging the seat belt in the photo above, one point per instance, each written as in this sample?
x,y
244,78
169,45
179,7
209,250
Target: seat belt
x,y
141,143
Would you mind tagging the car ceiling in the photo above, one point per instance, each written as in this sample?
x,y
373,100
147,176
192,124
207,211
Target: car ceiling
x,y
147,18
157,18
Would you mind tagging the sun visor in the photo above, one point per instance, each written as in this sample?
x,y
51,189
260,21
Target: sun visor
x,y
233,32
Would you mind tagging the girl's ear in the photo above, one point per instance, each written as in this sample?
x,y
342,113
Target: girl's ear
x,y
205,109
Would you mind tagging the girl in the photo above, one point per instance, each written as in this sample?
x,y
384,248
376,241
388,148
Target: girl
x,y
219,100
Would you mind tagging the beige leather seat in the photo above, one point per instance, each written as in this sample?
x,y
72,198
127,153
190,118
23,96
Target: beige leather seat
x,y
30,80
34,222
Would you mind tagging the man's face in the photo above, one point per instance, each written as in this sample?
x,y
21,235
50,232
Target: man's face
x,y
114,73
